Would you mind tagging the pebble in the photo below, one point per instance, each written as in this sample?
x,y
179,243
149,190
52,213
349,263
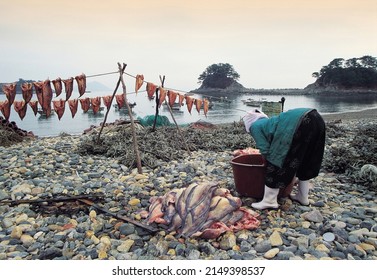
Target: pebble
x,y
270,254
228,241
54,167
125,246
275,239
313,216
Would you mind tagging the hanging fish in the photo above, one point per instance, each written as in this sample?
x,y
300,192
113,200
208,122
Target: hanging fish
x,y
20,107
172,96
151,89
81,83
5,109
59,107
27,91
96,104
85,104
10,92
47,97
68,85
198,104
139,82
205,106
189,102
162,96
34,106
38,86
107,101
120,100
73,104
57,83
181,99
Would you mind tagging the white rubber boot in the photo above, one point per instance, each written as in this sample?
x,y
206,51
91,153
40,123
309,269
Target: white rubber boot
x,y
270,199
302,195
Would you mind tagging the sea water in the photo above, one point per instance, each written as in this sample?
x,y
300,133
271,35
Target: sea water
x,y
224,110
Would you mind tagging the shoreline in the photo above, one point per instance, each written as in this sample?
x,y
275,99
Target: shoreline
x,y
352,115
285,91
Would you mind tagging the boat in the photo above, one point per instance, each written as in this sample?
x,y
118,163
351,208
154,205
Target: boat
x,y
43,113
90,111
175,107
252,102
124,109
272,108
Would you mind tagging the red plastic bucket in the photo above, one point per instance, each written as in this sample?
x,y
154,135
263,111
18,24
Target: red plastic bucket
x,y
249,176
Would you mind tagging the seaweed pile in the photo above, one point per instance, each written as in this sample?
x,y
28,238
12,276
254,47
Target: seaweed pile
x,y
165,143
352,151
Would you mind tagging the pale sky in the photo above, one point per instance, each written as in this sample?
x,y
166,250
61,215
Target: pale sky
x,y
270,43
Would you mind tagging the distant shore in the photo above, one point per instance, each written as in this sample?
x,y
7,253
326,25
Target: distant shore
x,y
283,91
357,115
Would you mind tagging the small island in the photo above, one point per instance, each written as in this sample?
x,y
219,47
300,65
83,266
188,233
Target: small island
x,y
340,76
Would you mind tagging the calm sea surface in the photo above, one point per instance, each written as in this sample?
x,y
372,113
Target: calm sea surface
x,y
221,112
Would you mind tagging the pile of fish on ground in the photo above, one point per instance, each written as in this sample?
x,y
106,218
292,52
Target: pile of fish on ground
x,y
201,210
165,143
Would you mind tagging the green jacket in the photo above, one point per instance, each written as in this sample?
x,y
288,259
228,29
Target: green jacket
x,y
273,136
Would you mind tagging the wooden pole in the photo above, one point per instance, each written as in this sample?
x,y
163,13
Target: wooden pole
x,y
179,130
157,103
108,109
134,138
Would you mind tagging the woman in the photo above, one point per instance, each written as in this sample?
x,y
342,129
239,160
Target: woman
x,y
292,144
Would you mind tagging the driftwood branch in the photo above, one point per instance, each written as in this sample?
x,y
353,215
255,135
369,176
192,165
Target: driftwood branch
x,y
52,199
120,217
134,138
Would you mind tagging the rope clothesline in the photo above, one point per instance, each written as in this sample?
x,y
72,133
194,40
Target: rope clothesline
x,y
134,92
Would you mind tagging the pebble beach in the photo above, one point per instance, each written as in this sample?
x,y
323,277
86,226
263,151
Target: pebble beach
x,y
339,224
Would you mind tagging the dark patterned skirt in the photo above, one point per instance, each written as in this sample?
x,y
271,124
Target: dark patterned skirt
x,y
305,155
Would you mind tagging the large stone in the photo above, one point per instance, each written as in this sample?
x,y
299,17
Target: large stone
x,y
275,239
359,232
313,216
270,254
228,241
134,202
125,246
367,247
26,240
322,248
16,232
23,188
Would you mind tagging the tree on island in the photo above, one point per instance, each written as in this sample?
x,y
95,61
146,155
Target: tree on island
x,y
220,75
352,73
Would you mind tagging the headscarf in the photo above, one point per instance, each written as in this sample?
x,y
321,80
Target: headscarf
x,y
251,117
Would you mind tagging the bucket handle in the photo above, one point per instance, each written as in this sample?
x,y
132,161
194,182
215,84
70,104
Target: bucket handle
x,y
248,165
257,165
